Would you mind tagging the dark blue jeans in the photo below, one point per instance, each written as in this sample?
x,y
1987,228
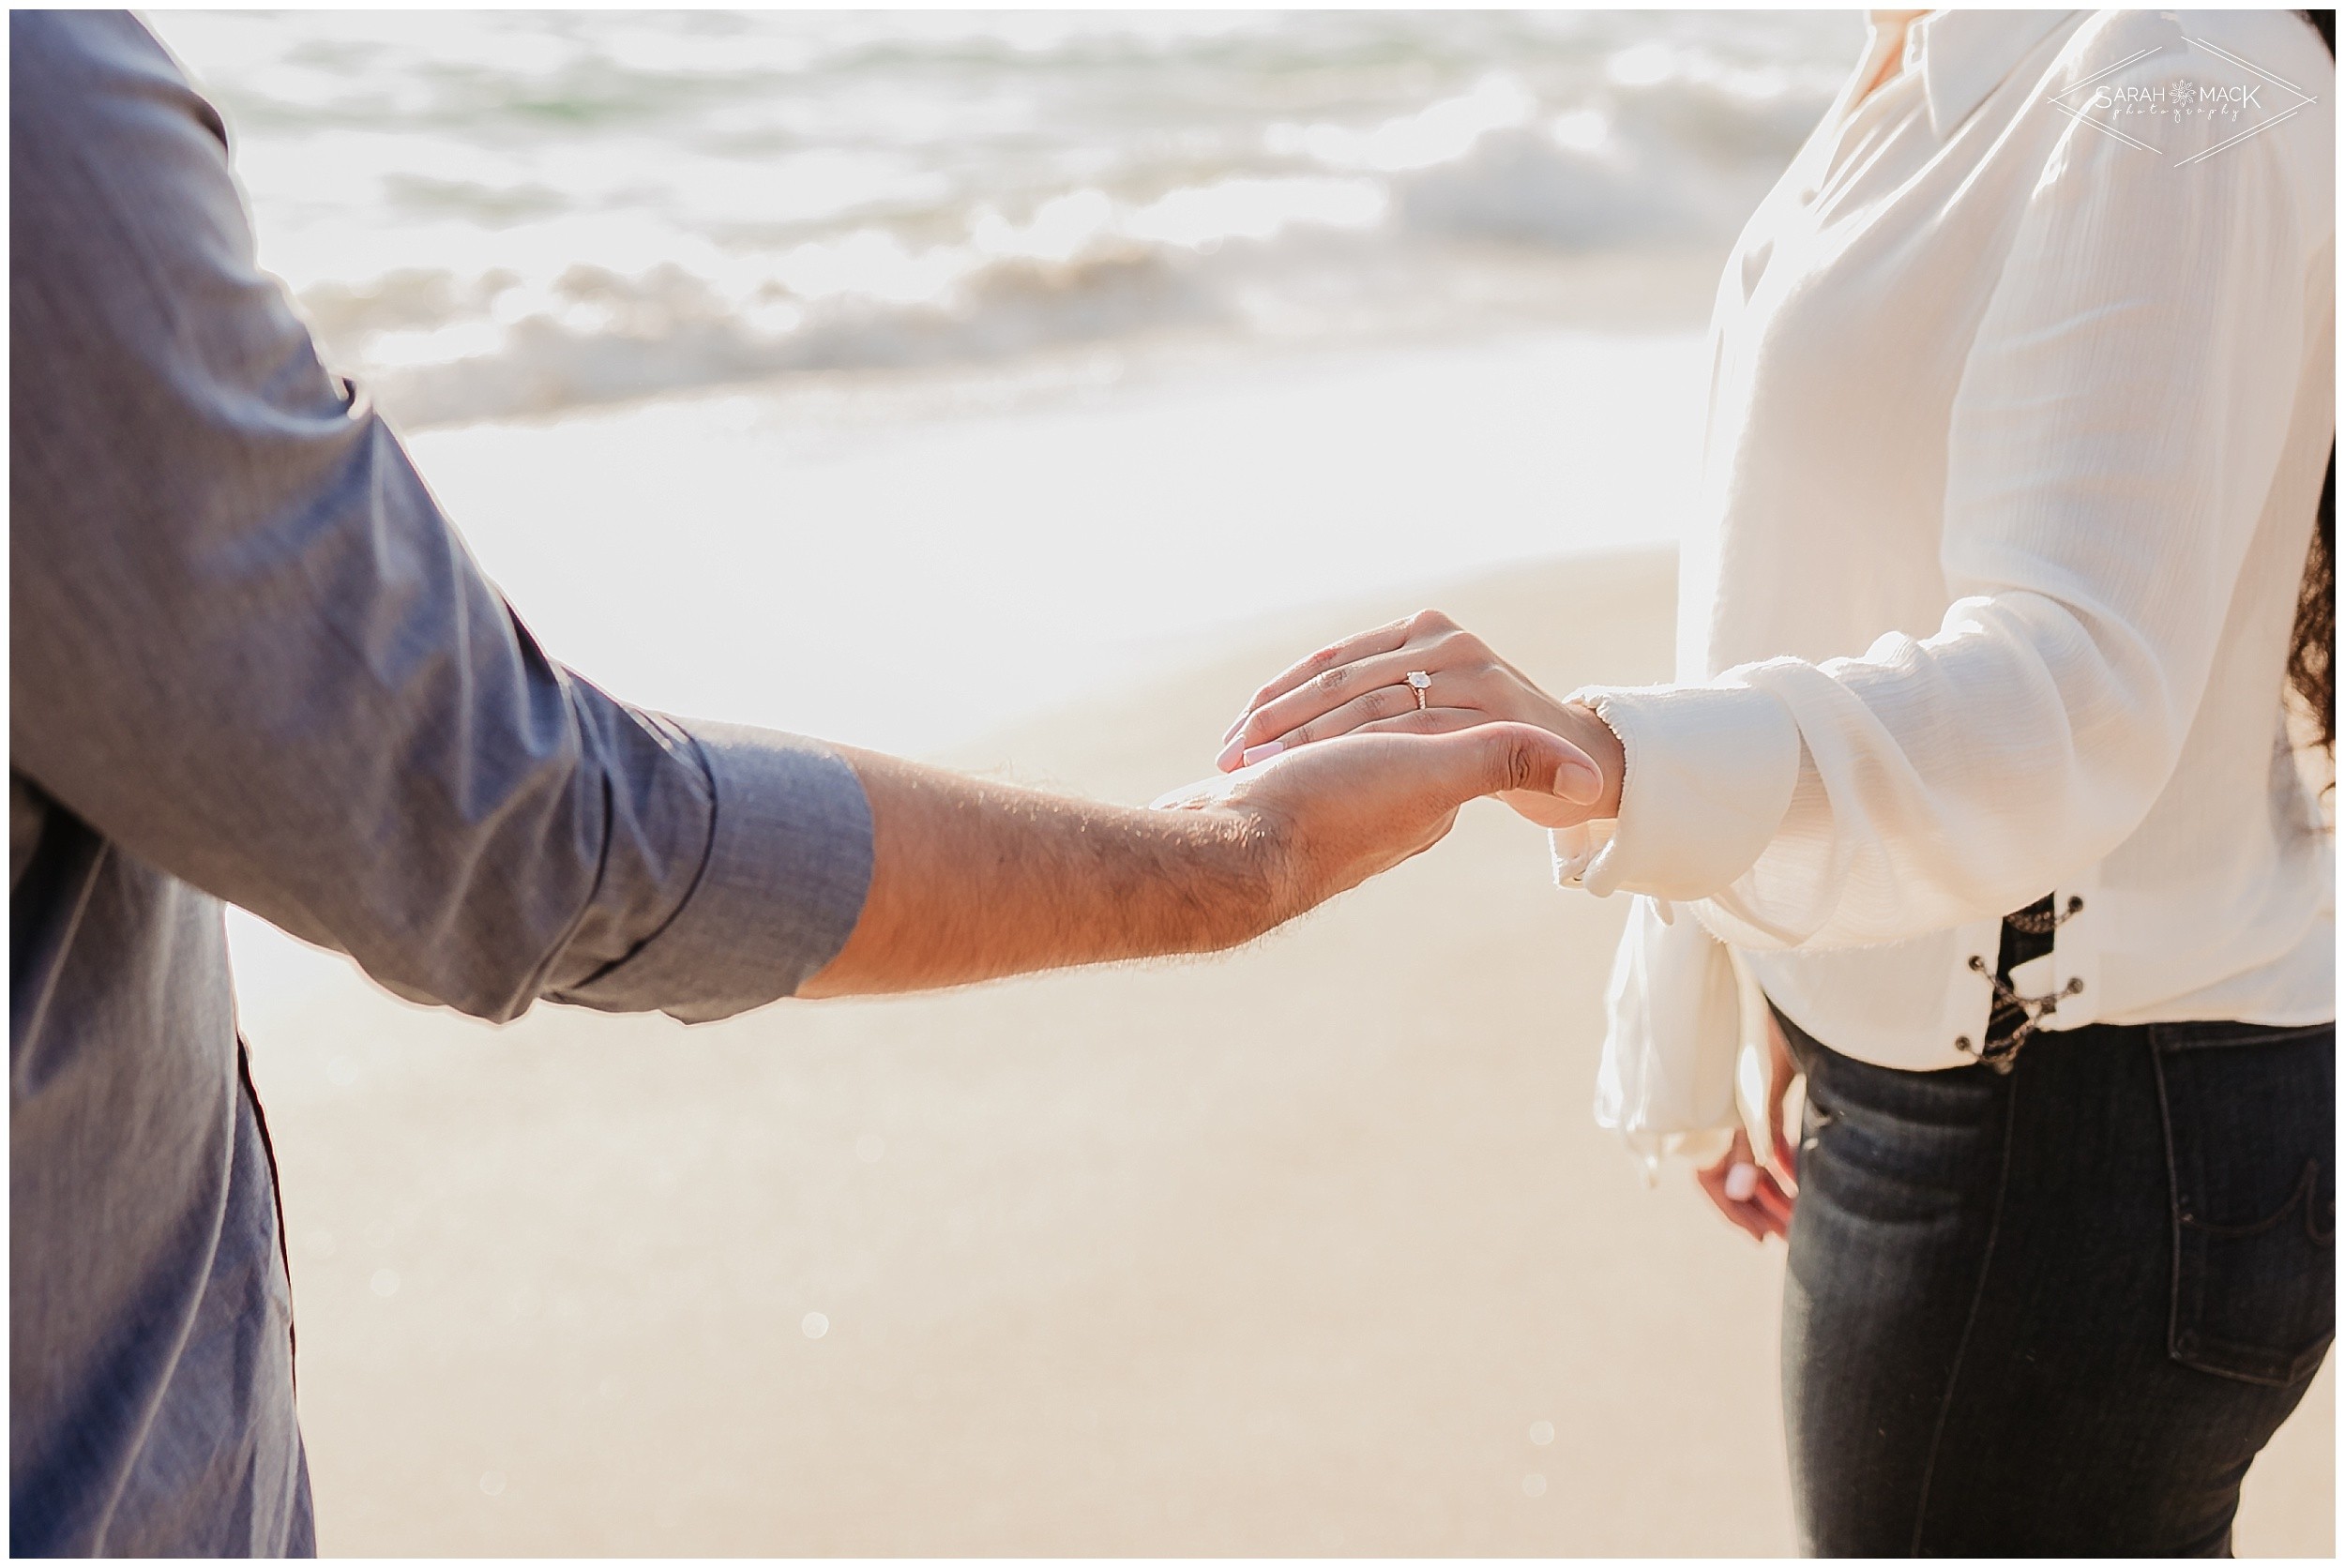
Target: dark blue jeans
x,y
2057,1311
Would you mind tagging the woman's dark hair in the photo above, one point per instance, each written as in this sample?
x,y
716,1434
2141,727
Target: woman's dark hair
x,y
2312,651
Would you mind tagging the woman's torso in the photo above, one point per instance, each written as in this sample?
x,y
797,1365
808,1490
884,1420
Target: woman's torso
x,y
1841,336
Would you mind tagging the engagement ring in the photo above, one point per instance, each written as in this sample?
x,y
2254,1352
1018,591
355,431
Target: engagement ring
x,y
1418,682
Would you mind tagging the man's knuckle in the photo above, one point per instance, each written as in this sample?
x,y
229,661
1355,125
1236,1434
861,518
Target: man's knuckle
x,y
1521,764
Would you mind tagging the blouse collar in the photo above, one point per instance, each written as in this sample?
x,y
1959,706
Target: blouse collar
x,y
1964,55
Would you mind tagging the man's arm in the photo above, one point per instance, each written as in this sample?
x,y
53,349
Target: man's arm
x,y
973,880
248,648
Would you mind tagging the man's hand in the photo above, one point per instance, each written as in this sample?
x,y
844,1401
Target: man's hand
x,y
1344,811
973,880
1362,685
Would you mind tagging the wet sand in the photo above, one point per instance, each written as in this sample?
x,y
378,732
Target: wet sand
x,y
1309,1249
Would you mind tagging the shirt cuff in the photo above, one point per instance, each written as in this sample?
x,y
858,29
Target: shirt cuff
x,y
789,862
1707,777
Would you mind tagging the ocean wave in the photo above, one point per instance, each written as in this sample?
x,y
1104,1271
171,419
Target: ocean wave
x,y
672,332
529,220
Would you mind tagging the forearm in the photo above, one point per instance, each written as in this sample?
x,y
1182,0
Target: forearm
x,y
1920,787
973,879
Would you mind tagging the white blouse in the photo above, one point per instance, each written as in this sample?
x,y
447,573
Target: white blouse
x,y
2023,392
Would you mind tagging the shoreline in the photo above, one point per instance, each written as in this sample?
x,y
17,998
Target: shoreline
x,y
909,587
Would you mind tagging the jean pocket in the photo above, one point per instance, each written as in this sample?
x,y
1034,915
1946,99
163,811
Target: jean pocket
x,y
2249,1141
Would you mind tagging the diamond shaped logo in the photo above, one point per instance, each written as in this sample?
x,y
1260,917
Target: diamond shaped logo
x,y
2240,97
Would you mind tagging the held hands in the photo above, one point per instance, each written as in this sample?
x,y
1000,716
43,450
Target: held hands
x,y
1333,816
1362,685
1364,803
973,879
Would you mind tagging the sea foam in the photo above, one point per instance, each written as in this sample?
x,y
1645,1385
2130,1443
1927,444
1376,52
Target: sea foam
x,y
504,215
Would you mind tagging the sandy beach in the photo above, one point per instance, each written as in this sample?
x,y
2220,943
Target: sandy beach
x,y
1309,1249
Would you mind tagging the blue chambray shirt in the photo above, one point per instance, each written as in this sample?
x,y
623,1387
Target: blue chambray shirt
x,y
250,662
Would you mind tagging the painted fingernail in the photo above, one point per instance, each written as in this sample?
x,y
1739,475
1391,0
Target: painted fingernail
x,y
1580,784
1230,753
1742,1182
1262,753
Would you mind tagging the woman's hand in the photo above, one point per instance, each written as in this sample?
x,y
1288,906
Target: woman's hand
x,y
1362,685
1745,1192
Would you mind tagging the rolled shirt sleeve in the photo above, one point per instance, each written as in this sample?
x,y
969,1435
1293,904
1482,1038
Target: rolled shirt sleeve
x,y
2095,528
788,862
248,648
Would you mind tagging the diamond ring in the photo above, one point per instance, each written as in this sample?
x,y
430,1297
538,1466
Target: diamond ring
x,y
1419,682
